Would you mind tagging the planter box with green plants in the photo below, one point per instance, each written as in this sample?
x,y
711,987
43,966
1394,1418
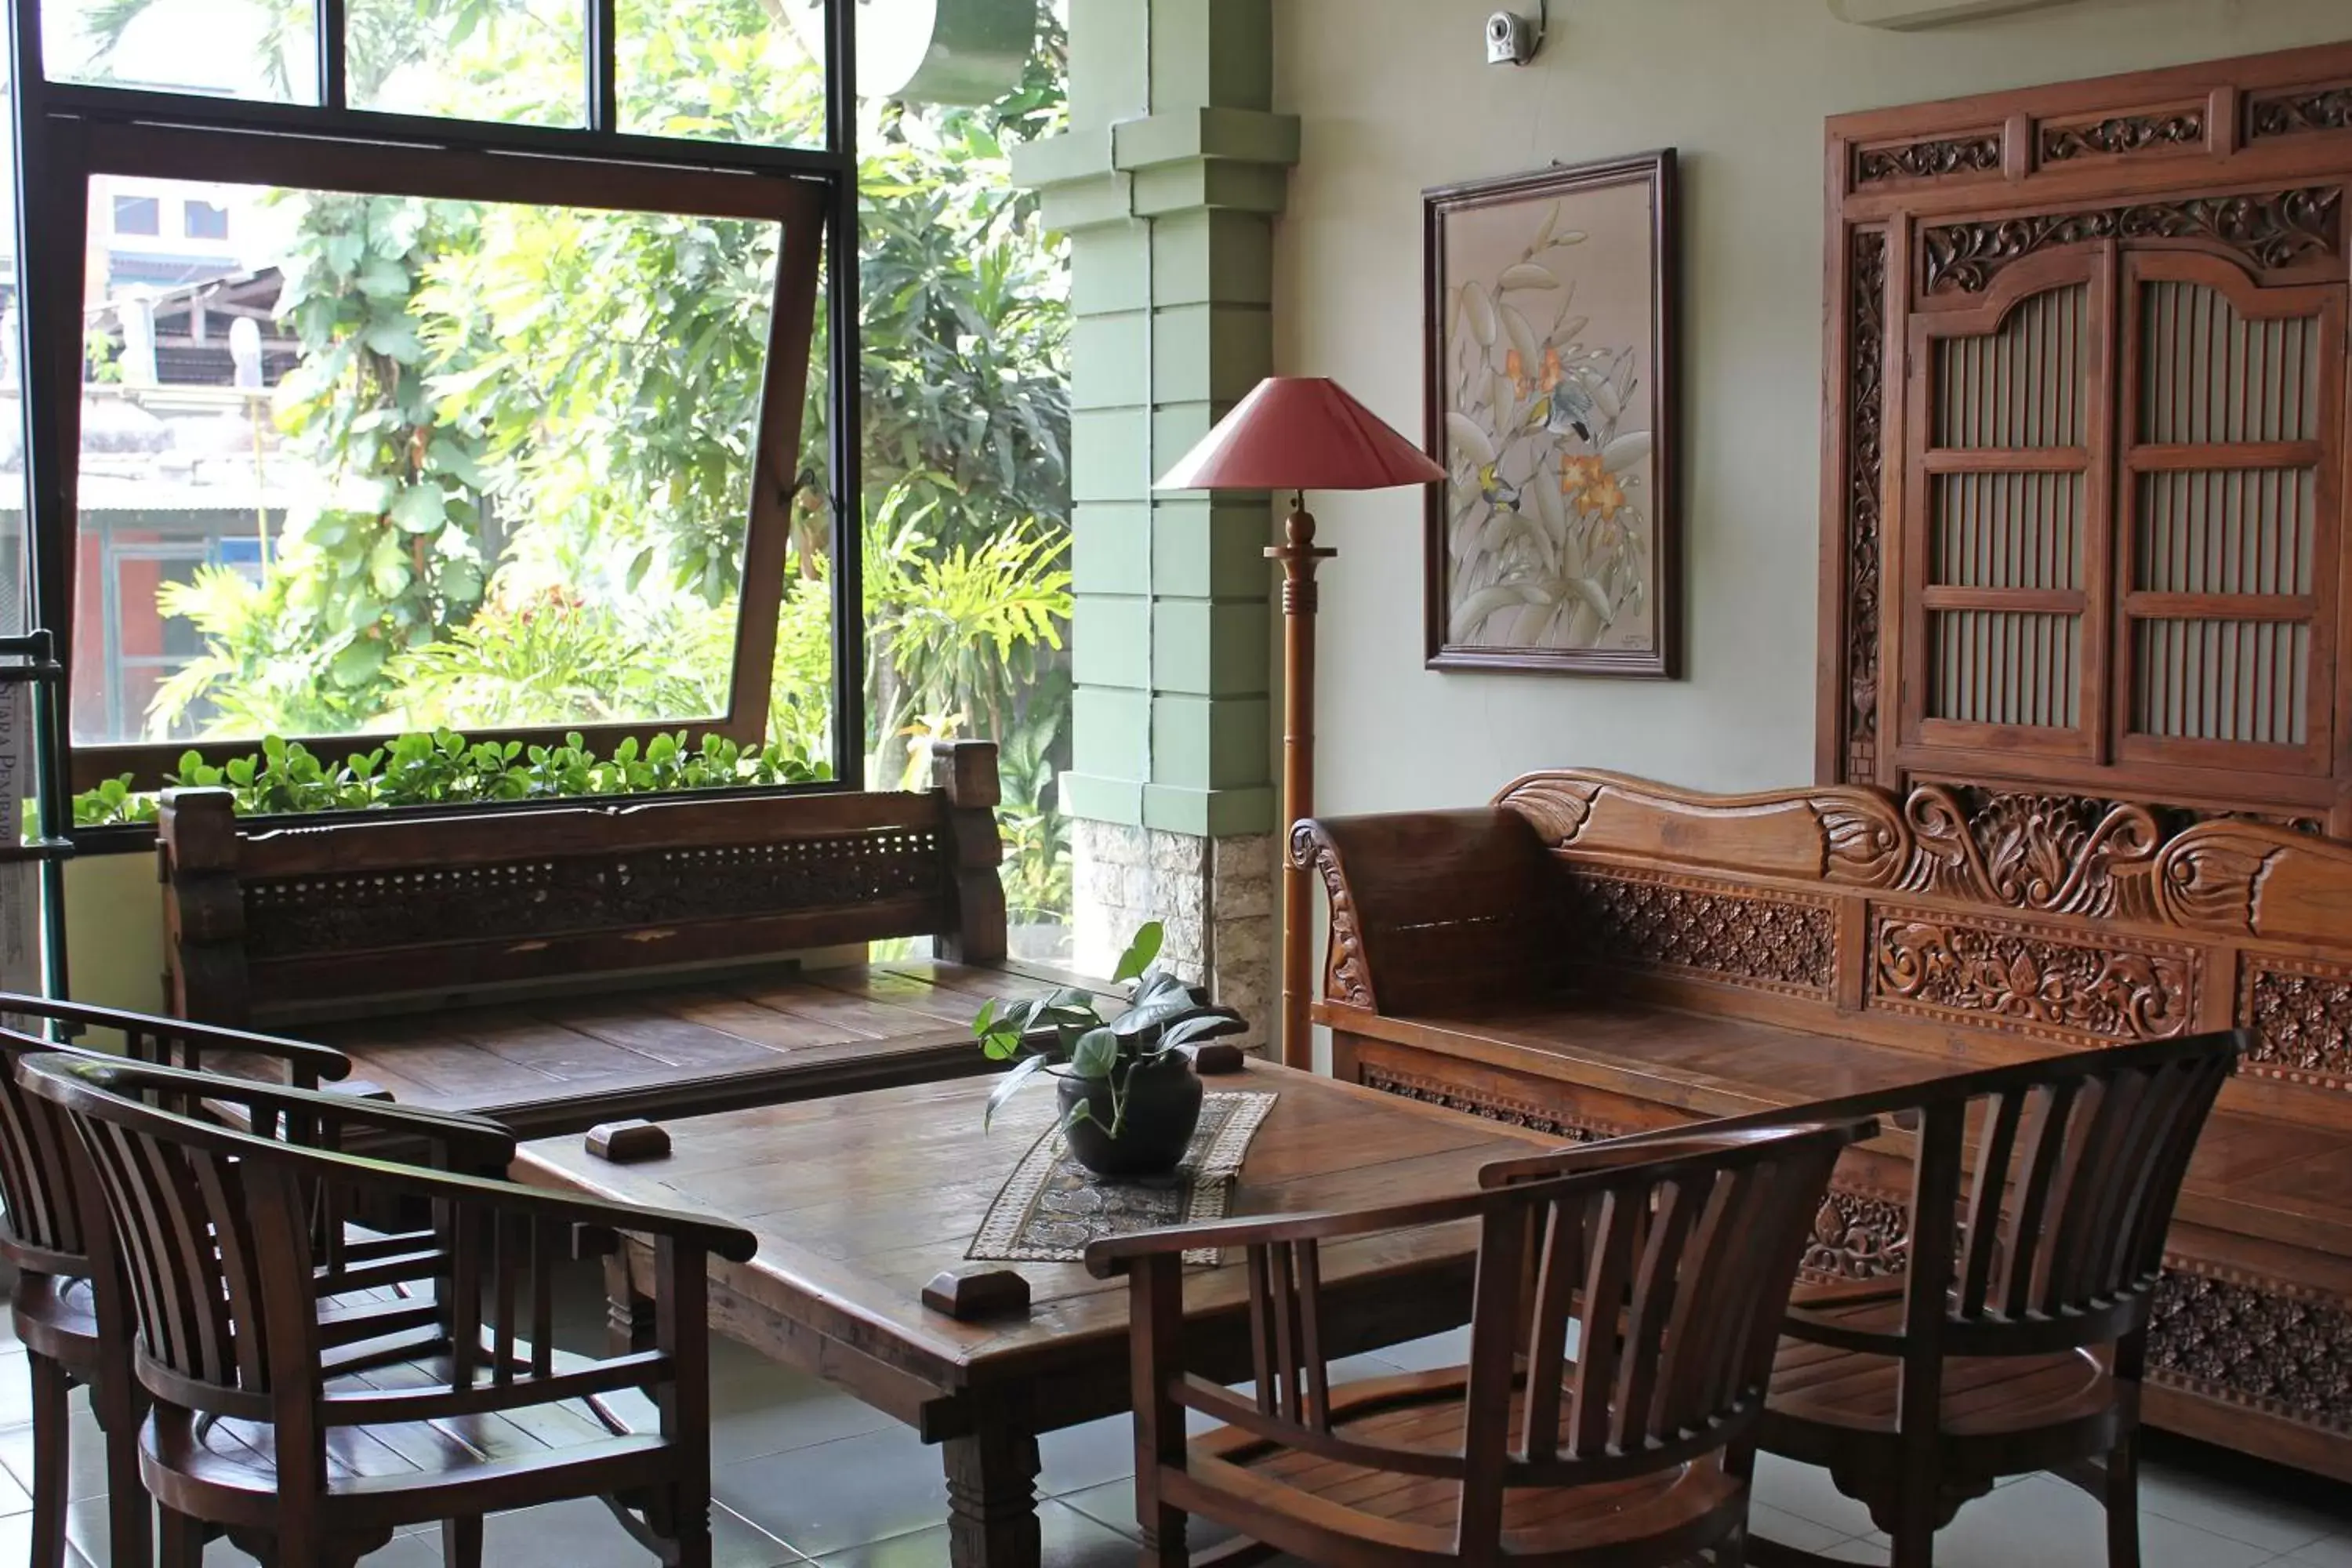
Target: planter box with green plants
x,y
442,768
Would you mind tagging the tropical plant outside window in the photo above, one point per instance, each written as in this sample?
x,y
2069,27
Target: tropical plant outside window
x,y
485,465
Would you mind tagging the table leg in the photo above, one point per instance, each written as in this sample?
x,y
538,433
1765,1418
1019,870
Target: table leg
x,y
628,1316
992,1498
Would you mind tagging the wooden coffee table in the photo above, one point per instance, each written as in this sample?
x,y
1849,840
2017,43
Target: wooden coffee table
x,y
858,1201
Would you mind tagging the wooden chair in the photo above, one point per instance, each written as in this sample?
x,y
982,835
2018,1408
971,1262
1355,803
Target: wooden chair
x,y
68,1307
308,1421
2015,1342
1622,1329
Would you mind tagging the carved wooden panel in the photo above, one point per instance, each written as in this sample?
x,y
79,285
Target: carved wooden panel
x,y
2119,315
2299,111
1858,1235
1859,501
1488,1104
2280,1349
1710,930
2044,981
302,916
2270,231
1974,152
2177,127
2300,1011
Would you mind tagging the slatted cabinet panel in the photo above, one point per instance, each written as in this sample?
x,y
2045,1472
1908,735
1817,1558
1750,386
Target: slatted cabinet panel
x,y
2086,449
2231,440
2120,520
2004,488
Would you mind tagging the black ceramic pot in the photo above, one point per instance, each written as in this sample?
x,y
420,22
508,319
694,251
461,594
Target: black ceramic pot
x,y
1163,1106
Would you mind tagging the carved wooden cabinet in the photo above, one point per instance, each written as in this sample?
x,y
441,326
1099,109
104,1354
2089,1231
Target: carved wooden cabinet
x,y
2087,450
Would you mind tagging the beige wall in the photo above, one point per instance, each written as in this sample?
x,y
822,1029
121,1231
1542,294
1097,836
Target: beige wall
x,y
1395,96
114,932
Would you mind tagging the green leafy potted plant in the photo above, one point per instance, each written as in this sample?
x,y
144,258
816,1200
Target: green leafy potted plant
x,y
1130,1097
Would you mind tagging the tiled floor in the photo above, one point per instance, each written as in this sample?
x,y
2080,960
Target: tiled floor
x,y
806,1473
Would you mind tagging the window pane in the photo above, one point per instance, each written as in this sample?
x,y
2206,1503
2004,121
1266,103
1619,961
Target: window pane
x,y
724,70
137,215
258,50
205,220
966,472
516,60
404,463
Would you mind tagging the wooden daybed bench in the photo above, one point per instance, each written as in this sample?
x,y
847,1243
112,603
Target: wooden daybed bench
x,y
569,966
1595,955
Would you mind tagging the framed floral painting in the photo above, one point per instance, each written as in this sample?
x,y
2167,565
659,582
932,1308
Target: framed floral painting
x,y
1553,543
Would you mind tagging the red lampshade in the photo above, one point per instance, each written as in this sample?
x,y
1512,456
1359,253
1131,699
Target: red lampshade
x,y
1300,433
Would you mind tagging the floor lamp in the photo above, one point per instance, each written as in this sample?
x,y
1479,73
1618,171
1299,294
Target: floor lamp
x,y
1299,432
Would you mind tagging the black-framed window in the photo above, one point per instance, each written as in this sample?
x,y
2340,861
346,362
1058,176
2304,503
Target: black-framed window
x,y
427,553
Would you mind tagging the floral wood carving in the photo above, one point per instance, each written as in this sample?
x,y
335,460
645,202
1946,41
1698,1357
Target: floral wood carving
x,y
573,894
2301,1014
2056,853
2122,133
1864,466
1932,160
2270,231
1858,1236
2035,980
1511,1109
2300,113
1773,943
2253,1344
1556,805
1346,978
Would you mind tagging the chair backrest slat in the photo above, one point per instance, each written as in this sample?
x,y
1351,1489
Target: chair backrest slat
x,y
2100,1142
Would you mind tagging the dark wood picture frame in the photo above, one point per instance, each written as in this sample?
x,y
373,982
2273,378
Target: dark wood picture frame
x,y
1656,651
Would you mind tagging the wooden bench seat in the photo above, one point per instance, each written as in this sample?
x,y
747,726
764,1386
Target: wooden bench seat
x,y
561,1065
2251,1174
1593,954
561,966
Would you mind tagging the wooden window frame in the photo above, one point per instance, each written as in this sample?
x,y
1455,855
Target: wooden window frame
x,y
1933,206
69,133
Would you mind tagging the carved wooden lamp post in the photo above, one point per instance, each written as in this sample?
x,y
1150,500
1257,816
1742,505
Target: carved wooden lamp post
x,y
1299,434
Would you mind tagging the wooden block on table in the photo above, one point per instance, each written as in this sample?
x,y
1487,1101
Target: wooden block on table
x,y
625,1143
1217,1056
984,1293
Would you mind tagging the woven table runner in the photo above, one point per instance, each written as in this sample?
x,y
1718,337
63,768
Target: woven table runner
x,y
1052,1207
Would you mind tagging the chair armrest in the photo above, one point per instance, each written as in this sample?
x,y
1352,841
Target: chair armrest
x,y
1433,910
477,1141
731,1242
320,1061
1611,1153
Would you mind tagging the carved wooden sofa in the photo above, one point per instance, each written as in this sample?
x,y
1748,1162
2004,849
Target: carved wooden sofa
x,y
1593,954
563,966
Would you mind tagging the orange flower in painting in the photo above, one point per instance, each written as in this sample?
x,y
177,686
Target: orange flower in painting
x,y
1517,369
1552,372
1604,496
1579,474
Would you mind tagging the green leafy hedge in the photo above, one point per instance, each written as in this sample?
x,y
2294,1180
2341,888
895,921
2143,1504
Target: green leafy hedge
x,y
444,768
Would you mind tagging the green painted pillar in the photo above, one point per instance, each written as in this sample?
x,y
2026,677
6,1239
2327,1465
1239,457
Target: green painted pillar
x,y
1167,183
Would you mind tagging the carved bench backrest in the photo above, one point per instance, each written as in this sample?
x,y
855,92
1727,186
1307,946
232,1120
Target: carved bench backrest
x,y
318,919
2021,921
